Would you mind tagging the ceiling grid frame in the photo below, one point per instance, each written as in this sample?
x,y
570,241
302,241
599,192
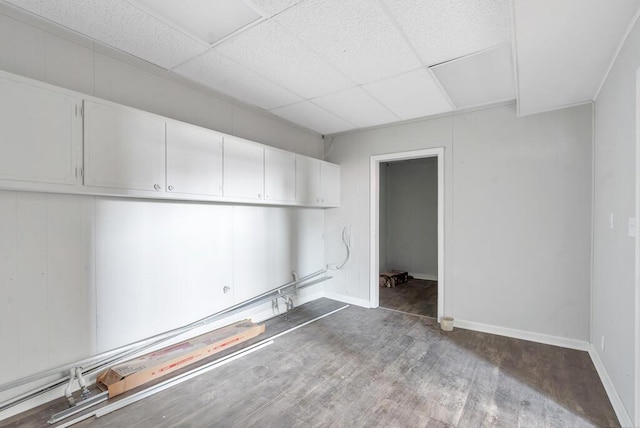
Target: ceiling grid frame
x,y
391,37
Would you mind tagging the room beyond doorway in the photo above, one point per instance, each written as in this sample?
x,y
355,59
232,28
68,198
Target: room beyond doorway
x,y
416,296
408,231
424,274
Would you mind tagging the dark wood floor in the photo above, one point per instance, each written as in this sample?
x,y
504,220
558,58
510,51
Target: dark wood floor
x,y
418,296
373,367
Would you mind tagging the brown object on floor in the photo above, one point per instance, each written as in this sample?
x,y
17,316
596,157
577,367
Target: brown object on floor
x,y
399,371
418,296
136,372
393,278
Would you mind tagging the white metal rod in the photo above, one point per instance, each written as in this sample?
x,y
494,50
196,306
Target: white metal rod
x,y
132,349
164,385
91,362
195,372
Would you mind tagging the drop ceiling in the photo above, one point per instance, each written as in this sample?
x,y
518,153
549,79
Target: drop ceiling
x,y
338,65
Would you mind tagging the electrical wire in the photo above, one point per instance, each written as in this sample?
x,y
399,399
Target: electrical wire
x,y
324,157
346,240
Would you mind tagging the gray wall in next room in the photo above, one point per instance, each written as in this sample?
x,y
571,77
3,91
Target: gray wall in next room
x,y
409,217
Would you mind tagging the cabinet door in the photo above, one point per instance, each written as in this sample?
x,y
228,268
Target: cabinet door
x,y
243,169
194,160
279,175
123,148
330,184
40,129
307,180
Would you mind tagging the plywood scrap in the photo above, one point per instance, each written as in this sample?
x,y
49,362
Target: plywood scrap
x,y
133,373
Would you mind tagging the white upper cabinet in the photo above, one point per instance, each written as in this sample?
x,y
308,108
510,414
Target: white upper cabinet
x,y
51,137
279,175
194,160
330,184
123,148
243,169
40,133
307,180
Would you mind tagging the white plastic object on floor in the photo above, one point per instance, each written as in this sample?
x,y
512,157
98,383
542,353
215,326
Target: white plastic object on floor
x,y
446,323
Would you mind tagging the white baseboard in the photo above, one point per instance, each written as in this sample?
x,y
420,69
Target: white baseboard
x,y
621,411
347,299
580,345
426,276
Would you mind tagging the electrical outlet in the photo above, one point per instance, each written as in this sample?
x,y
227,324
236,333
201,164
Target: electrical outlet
x,y
602,343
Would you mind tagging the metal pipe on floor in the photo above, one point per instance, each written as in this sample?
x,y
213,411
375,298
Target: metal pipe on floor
x,y
99,362
181,378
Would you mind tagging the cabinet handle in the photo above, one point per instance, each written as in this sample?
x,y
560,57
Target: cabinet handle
x,y
226,289
259,195
156,186
170,188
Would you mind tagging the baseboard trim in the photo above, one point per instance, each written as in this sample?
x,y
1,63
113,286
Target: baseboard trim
x,y
348,299
426,276
580,345
618,406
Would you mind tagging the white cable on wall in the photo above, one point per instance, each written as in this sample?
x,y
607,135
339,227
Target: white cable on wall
x,y
346,240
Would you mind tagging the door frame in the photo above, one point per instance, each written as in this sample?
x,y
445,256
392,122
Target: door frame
x,y
637,259
374,209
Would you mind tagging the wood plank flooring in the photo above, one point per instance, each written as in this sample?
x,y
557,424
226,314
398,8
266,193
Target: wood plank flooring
x,y
417,296
373,367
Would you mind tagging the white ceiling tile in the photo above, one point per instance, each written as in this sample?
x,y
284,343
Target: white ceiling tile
x,y
356,106
122,25
273,7
313,117
355,36
208,20
223,75
479,79
441,30
270,51
410,95
564,49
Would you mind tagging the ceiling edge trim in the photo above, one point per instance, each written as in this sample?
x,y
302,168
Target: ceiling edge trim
x,y
617,52
427,118
550,109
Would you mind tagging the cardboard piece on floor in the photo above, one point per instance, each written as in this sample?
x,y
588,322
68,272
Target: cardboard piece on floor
x,y
136,372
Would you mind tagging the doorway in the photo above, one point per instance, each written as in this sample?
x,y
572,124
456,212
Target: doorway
x,y
435,159
409,236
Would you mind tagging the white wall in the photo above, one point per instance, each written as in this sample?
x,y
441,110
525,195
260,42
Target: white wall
x,y
382,237
411,217
81,274
613,313
517,214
